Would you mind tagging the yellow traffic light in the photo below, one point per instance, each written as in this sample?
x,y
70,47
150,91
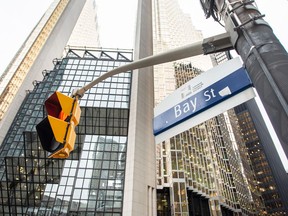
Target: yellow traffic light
x,y
57,131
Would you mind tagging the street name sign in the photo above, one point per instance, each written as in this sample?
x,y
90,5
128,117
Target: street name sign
x,y
207,95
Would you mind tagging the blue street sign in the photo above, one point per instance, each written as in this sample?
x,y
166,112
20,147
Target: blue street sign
x,y
219,91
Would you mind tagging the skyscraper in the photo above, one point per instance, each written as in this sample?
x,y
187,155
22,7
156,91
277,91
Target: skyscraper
x,y
109,153
172,29
210,162
266,181
45,43
201,171
264,159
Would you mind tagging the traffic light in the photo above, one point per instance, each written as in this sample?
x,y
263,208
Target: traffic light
x,y
57,131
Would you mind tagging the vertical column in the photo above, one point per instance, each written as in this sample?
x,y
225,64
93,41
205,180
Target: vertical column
x,y
141,159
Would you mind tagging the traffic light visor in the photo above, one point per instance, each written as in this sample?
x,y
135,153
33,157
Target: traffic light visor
x,y
56,136
46,136
61,106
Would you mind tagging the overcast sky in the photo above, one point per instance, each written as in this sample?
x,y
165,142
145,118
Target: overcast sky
x,y
18,17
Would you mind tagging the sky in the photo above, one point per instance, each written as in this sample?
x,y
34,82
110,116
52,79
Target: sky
x,y
19,17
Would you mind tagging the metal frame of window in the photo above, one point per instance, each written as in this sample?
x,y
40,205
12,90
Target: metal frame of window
x,y
92,180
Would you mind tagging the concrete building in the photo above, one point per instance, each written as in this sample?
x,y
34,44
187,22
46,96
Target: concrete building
x,y
208,166
116,168
45,43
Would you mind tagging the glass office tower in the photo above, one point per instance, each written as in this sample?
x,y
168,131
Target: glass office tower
x,y
261,152
206,167
199,170
91,180
172,29
265,179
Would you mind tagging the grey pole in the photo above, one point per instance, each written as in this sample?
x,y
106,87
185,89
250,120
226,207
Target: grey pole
x,y
212,44
264,56
266,61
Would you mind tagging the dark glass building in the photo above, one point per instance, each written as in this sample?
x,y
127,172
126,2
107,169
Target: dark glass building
x,y
271,178
261,166
91,180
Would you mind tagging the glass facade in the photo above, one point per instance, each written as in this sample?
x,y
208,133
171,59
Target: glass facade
x,y
172,28
91,180
265,180
265,183
203,169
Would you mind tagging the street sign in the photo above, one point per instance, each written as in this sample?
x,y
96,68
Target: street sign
x,y
203,93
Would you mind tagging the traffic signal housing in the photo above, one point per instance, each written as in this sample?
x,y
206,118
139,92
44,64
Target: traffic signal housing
x,y
57,131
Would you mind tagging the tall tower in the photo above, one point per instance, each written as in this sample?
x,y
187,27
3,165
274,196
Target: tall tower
x,y
199,171
266,181
264,159
172,29
45,43
112,169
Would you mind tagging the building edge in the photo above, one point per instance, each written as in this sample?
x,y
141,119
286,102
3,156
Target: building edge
x,y
140,177
53,47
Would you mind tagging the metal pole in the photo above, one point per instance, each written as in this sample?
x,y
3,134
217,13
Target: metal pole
x,y
264,56
266,61
212,44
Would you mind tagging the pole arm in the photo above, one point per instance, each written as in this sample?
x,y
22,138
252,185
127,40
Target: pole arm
x,y
212,44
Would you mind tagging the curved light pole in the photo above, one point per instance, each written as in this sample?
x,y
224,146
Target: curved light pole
x,y
212,44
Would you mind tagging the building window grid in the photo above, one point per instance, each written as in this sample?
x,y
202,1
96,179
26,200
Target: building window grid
x,y
85,176
38,97
20,172
113,92
203,162
28,114
259,163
